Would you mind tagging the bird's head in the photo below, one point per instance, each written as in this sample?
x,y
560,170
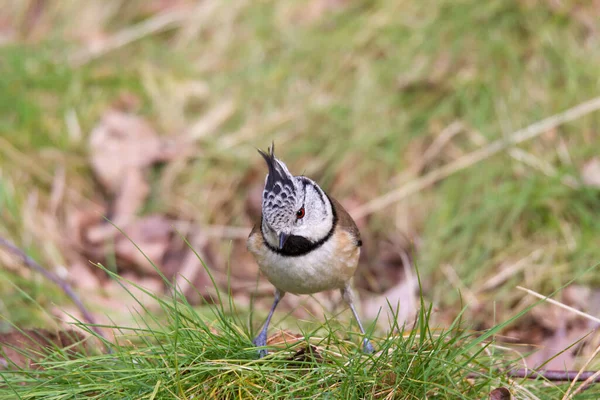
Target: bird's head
x,y
295,210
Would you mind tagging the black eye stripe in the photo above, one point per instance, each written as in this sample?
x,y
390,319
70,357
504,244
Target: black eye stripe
x,y
306,182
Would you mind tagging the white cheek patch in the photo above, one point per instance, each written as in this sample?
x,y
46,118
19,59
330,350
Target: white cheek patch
x,y
318,218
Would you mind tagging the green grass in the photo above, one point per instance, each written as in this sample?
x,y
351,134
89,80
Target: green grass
x,y
185,355
348,96
352,97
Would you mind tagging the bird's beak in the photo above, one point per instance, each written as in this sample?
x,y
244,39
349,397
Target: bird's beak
x,y
283,237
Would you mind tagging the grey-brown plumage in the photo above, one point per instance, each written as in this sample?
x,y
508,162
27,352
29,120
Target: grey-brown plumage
x,y
305,242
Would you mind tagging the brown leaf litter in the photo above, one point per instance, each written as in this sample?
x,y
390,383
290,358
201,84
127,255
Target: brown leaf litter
x,y
307,353
566,333
284,337
590,173
24,349
123,149
500,393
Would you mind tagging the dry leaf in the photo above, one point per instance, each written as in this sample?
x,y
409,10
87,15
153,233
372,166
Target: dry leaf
x,y
191,278
403,300
122,147
82,277
24,348
307,353
501,393
393,276
254,201
148,237
552,349
119,143
284,337
590,173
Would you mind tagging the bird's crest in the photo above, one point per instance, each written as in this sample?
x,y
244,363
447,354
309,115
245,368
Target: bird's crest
x,y
278,172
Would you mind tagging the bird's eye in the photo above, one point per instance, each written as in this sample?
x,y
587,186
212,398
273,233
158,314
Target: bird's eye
x,y
300,213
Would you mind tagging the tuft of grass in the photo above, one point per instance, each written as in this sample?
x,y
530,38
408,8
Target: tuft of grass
x,y
351,96
182,354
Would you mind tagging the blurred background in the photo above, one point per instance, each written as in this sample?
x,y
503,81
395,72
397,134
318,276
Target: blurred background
x,y
149,113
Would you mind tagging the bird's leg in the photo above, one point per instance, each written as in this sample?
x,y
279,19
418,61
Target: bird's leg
x,y
261,339
348,296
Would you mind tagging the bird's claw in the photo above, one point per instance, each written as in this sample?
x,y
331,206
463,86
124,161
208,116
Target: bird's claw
x,y
261,341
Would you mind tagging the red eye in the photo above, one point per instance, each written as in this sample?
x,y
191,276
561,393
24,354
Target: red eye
x,y
300,213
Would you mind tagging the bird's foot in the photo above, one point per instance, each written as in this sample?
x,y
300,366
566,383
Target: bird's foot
x,y
367,347
261,341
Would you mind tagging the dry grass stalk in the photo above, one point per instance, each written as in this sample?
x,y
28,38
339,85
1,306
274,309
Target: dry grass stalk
x,y
476,156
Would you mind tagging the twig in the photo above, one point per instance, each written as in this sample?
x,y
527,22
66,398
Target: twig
x,y
129,35
441,141
511,270
556,303
476,156
32,264
553,375
210,121
548,374
543,166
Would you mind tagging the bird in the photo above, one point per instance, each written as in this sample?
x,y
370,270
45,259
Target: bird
x,y
304,243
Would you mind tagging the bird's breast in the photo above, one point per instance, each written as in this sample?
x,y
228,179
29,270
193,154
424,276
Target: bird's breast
x,y
330,266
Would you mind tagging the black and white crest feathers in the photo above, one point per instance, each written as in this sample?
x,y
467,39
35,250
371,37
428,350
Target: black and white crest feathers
x,y
277,172
296,207
280,193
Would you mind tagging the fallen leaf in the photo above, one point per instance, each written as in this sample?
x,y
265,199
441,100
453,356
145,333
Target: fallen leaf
x,y
393,272
552,317
285,337
307,353
254,201
146,238
152,284
552,350
23,349
82,277
122,147
590,173
396,306
192,279
120,142
565,328
501,393
189,267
